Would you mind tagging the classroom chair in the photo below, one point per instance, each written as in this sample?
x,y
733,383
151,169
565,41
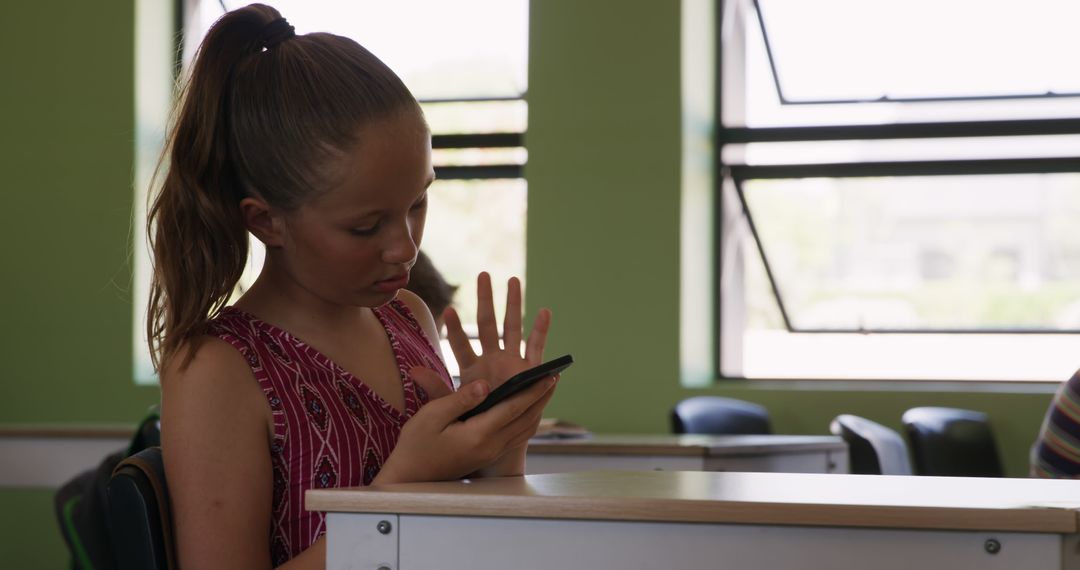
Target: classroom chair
x,y
81,502
716,415
873,449
139,513
952,442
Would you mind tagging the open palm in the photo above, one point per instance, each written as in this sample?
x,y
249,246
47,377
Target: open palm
x,y
497,361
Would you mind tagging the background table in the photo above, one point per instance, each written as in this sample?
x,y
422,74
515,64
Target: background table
x,y
771,453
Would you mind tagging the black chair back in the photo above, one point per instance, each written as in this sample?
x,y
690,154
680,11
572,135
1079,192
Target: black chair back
x,y
952,442
716,415
873,449
139,513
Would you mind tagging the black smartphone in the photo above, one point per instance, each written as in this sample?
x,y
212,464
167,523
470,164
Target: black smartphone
x,y
519,382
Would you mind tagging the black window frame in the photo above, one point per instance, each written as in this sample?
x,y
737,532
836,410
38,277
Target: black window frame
x,y
737,174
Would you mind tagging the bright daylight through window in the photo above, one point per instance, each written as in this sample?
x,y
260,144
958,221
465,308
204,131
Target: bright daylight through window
x,y
900,187
466,62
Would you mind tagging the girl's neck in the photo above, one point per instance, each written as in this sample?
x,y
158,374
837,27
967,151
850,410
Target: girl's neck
x,y
298,311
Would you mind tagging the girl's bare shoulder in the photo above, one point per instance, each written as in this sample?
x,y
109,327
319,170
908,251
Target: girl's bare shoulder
x,y
213,375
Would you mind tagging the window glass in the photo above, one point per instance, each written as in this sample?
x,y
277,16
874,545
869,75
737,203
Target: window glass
x,y
875,55
886,251
510,116
923,253
891,150
917,49
474,226
442,50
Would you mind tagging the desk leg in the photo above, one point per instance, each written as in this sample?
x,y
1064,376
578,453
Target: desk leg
x,y
361,542
1070,552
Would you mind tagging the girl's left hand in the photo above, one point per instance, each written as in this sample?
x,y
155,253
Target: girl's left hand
x,y
496,363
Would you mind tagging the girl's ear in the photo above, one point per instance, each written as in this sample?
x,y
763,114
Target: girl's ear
x,y
261,221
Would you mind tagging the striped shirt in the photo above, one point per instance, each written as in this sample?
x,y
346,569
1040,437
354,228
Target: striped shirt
x,y
1057,451
330,429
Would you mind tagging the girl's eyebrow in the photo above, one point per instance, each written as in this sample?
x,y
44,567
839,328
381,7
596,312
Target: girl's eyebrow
x,y
364,215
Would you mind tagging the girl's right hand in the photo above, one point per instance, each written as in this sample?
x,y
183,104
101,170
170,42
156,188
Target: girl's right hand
x,y
435,446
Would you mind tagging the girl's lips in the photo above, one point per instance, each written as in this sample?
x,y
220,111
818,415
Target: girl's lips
x,y
393,284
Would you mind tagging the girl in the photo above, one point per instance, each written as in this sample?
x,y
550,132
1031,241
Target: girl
x,y
321,374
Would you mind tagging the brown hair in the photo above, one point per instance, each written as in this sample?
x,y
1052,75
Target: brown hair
x,y
252,120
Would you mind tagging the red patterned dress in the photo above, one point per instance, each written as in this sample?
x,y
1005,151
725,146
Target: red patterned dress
x,y
330,429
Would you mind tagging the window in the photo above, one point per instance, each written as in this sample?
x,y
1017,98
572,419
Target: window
x,y
896,186
466,62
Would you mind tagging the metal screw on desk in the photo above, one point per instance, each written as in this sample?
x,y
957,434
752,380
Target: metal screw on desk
x,y
384,568
992,546
384,527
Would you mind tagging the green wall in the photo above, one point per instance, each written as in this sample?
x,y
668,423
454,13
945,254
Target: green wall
x,y
603,239
66,136
66,155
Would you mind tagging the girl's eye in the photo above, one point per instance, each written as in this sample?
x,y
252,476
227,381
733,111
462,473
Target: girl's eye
x,y
420,205
364,231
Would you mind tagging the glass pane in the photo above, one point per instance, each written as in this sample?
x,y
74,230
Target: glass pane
x,y
765,349
478,156
851,50
969,357
915,253
474,226
477,117
442,50
853,151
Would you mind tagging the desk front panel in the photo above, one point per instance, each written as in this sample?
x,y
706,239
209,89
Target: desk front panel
x,y
417,542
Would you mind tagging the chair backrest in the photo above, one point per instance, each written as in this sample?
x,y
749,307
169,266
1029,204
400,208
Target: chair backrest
x,y
139,513
873,449
81,503
952,442
716,415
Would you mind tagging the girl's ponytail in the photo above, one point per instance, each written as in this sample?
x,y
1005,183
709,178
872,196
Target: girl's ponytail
x,y
197,236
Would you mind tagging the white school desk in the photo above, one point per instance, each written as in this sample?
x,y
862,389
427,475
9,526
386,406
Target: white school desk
x,y
771,453
700,520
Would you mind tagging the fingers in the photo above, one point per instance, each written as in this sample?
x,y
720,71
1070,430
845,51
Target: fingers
x,y
485,314
512,318
534,348
506,412
459,341
524,427
430,381
445,411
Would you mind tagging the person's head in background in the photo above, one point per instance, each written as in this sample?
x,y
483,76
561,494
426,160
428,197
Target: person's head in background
x,y
428,284
309,142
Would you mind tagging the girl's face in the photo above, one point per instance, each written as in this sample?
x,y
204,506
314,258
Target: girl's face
x,y
355,244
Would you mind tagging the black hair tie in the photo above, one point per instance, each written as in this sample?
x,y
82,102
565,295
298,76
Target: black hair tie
x,y
275,32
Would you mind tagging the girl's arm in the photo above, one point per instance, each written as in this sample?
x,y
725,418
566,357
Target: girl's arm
x,y
216,428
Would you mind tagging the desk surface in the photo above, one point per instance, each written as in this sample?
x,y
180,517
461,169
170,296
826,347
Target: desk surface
x,y
688,445
955,503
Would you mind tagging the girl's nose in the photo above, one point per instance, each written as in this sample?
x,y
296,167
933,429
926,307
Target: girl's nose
x,y
401,248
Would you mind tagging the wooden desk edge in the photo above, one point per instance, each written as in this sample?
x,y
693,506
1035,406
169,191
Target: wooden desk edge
x,y
586,448
1038,520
